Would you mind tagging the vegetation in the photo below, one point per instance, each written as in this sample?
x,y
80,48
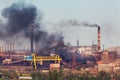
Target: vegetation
x,y
61,75
38,76
8,75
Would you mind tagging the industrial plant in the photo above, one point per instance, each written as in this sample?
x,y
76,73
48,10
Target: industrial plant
x,y
25,47
57,55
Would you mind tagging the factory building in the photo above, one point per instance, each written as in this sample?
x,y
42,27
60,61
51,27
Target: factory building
x,y
83,50
108,56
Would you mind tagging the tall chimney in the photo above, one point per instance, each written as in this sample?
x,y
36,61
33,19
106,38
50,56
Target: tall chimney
x,y
5,47
10,47
13,46
98,47
77,42
32,34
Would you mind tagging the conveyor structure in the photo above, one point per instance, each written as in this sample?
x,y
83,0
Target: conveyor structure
x,y
39,59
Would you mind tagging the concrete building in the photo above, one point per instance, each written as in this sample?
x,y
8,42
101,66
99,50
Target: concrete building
x,y
83,50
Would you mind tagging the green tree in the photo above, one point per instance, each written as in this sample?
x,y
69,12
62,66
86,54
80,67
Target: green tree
x,y
103,75
71,76
37,76
5,75
94,78
54,75
116,76
9,75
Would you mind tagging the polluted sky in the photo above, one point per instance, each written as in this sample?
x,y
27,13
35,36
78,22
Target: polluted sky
x,y
104,13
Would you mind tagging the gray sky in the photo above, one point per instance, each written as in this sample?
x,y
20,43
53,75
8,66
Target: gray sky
x,y
102,12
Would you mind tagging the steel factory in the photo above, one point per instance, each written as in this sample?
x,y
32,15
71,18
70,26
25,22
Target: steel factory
x,y
58,56
43,51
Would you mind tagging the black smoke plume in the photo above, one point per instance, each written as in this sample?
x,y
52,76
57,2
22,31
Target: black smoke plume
x,y
73,22
19,17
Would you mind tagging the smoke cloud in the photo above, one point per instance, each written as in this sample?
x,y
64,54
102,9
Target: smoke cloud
x,y
19,17
74,22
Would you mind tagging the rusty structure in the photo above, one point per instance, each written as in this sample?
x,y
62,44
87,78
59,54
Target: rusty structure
x,y
74,61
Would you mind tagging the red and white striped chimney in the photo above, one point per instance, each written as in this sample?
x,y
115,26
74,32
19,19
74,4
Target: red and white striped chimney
x,y
98,46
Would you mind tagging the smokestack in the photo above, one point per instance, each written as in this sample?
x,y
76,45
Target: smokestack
x,y
98,48
32,34
5,47
10,49
77,42
13,46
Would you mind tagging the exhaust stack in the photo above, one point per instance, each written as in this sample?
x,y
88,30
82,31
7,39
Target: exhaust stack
x,y
77,42
32,34
98,46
